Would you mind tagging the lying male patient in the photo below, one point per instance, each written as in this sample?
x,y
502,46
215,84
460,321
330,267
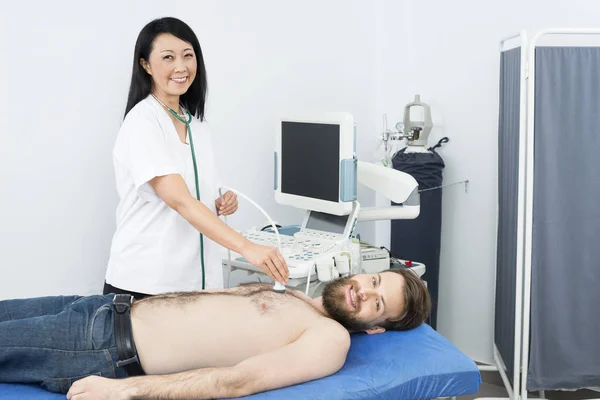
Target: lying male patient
x,y
199,345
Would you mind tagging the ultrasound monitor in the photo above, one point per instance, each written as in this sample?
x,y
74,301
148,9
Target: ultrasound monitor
x,y
315,163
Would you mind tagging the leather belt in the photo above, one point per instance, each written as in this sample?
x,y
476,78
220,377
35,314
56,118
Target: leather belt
x,y
128,357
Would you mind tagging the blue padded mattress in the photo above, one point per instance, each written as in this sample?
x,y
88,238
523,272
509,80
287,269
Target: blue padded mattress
x,y
418,364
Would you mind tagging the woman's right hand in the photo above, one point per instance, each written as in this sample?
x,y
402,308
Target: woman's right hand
x,y
269,259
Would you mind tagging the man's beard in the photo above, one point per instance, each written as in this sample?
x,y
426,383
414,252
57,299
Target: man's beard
x,y
334,302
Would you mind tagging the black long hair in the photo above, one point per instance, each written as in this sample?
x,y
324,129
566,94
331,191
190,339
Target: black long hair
x,y
141,82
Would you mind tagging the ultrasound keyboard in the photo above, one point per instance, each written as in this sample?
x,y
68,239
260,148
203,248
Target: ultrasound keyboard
x,y
300,252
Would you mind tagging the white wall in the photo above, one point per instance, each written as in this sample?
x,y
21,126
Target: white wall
x,y
448,53
64,74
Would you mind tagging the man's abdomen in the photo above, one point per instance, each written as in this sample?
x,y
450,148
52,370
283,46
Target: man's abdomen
x,y
215,331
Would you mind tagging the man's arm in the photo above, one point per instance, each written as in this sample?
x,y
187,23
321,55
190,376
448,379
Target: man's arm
x,y
320,351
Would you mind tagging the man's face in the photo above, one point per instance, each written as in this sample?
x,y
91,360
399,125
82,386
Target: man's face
x,y
361,302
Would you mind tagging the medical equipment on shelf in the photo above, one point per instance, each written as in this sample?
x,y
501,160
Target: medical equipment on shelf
x,y
417,132
323,248
316,169
414,132
374,259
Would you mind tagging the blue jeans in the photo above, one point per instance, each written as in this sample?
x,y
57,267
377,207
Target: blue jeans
x,y
53,341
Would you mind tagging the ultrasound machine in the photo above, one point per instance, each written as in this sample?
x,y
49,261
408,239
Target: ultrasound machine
x,y
316,169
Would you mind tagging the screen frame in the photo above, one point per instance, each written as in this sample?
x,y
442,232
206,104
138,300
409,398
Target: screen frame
x,y
347,151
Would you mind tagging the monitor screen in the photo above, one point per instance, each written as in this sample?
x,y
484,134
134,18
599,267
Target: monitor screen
x,y
310,160
315,162
319,221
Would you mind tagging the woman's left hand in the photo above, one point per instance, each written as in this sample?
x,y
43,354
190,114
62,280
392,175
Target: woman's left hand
x,y
227,204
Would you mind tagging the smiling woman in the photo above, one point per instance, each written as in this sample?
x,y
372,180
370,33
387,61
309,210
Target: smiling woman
x,y
168,231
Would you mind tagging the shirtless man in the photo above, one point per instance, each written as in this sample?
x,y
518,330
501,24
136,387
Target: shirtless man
x,y
227,343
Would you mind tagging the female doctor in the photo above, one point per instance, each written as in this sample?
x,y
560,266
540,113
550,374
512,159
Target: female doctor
x,y
168,230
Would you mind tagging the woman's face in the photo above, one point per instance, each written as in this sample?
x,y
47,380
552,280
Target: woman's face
x,y
172,65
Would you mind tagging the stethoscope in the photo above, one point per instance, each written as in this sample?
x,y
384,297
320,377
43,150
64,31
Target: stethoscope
x,y
187,122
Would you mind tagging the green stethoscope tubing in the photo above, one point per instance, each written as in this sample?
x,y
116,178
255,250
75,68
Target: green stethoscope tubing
x,y
189,134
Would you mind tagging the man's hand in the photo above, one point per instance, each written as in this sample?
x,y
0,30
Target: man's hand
x,y
226,205
97,388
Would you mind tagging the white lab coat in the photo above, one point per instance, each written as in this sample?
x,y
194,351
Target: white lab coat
x,y
154,249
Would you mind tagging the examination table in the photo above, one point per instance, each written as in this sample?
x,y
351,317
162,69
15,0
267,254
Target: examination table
x,y
418,364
